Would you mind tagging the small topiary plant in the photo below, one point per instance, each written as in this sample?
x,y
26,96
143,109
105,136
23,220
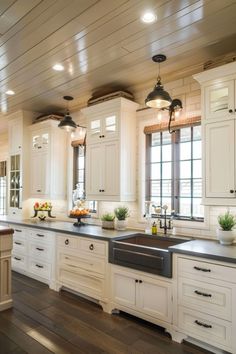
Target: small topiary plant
x,y
108,217
121,213
227,221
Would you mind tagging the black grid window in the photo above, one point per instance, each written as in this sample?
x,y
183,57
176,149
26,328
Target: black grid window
x,y
79,174
174,174
3,188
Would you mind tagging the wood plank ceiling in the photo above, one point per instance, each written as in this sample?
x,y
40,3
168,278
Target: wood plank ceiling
x,y
103,44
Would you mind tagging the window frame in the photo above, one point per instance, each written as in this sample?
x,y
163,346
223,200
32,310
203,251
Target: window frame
x,y
175,172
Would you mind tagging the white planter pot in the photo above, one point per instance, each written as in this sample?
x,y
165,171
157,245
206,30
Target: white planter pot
x,y
225,237
121,225
108,225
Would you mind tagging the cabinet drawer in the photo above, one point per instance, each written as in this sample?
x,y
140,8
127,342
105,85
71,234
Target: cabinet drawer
x,y
82,282
41,235
92,246
196,269
81,263
39,268
40,251
212,299
19,232
19,245
68,242
205,327
19,262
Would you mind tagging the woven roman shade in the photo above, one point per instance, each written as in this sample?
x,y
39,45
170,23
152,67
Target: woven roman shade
x,y
3,168
178,124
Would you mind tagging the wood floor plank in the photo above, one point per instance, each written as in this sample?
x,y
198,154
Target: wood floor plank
x,y
44,321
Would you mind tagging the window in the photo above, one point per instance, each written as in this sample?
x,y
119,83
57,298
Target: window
x,y
173,174
3,187
79,175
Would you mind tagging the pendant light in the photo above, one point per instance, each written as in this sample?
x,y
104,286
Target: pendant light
x,y
67,122
159,98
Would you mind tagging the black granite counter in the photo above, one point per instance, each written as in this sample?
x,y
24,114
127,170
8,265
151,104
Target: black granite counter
x,y
67,227
207,249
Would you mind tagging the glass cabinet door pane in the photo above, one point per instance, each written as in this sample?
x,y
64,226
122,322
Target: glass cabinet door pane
x,y
12,198
219,99
95,127
12,180
17,162
110,124
35,141
13,159
45,140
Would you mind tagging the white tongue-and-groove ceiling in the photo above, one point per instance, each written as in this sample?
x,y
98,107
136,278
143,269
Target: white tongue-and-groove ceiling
x,y
103,45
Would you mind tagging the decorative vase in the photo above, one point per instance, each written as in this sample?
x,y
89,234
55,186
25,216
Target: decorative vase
x,y
121,225
108,224
225,237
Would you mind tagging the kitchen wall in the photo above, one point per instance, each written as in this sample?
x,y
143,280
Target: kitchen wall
x,y
3,146
188,90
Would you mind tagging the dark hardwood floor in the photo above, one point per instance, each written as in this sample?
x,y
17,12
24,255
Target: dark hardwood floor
x,y
43,321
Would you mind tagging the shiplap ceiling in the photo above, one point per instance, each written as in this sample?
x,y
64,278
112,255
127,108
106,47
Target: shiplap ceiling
x,y
103,45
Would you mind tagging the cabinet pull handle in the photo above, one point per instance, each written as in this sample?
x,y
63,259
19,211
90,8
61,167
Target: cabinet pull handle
x,y
39,190
231,191
230,111
17,230
17,258
91,247
202,294
39,147
140,281
202,324
40,235
39,266
18,243
67,242
39,249
202,269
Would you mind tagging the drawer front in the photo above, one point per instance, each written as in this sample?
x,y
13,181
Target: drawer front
x,y
212,299
91,264
39,268
41,235
19,232
93,246
196,269
68,242
205,327
19,245
19,262
40,251
82,282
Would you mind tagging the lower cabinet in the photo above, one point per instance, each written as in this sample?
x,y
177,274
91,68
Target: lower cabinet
x,y
149,297
33,253
82,266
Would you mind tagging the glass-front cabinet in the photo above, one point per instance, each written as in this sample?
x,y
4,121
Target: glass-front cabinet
x,y
219,99
103,128
40,141
15,181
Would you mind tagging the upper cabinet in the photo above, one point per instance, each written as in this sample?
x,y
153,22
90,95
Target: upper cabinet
x,y
48,146
15,131
111,150
218,87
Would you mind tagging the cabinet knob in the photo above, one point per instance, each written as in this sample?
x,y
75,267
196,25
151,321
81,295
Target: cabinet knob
x,y
91,247
39,190
136,280
67,242
19,147
230,111
140,281
39,147
231,191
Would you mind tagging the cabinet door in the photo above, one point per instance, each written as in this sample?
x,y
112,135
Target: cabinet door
x,y
111,170
94,132
220,159
155,299
94,167
219,100
15,136
110,126
40,174
39,141
124,290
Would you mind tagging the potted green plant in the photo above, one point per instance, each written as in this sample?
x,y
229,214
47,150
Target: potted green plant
x,y
226,233
108,221
121,214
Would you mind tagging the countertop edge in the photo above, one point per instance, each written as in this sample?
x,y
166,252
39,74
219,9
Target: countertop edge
x,y
203,255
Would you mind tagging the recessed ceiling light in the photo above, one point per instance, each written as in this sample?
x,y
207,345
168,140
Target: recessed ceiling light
x,y
10,92
148,17
58,67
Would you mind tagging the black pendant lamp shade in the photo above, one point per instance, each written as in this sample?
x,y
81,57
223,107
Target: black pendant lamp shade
x,y
158,98
67,122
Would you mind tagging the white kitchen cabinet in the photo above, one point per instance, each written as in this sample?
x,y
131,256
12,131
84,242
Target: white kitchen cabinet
x,y
220,159
204,300
48,160
218,126
15,134
143,295
111,150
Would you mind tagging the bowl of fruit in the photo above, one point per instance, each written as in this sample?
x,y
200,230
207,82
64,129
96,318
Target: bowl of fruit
x,y
79,213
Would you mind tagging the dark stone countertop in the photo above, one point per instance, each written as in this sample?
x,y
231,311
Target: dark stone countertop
x,y
207,249
92,231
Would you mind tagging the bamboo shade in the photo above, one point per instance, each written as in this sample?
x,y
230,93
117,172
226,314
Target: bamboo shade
x,y
181,123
